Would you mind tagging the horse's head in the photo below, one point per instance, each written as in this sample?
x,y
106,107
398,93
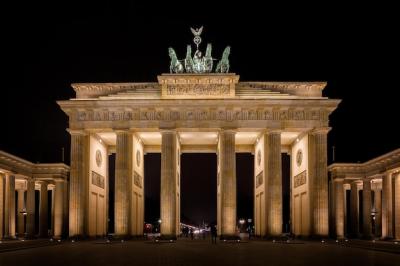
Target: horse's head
x,y
208,50
172,53
188,51
226,52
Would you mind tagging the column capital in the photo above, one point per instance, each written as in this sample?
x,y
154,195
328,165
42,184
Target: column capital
x,y
228,129
42,183
272,131
79,132
168,130
122,131
357,182
366,179
338,179
320,130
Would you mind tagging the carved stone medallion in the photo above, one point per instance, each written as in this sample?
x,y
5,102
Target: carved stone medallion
x,y
259,157
138,155
299,157
99,158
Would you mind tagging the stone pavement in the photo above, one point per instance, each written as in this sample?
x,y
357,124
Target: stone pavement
x,y
198,252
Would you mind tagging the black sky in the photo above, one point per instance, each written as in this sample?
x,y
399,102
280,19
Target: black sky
x,y
46,47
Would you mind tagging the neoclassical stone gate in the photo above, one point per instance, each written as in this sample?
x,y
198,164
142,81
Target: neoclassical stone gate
x,y
198,113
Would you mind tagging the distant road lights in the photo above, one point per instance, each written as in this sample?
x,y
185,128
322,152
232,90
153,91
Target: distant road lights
x,y
159,221
242,221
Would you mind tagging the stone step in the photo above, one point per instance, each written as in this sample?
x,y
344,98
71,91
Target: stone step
x,y
250,89
257,93
139,91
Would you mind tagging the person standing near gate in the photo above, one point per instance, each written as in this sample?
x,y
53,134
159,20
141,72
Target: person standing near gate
x,y
213,234
191,233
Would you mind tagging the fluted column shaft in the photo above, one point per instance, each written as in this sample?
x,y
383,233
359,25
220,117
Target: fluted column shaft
x,y
20,212
378,210
339,208
58,208
66,209
367,202
9,213
2,185
228,182
123,173
273,174
78,184
30,208
318,174
168,198
43,210
354,210
387,207
396,181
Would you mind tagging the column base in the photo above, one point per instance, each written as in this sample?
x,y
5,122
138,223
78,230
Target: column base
x,y
29,236
229,237
367,237
166,238
280,237
121,237
9,238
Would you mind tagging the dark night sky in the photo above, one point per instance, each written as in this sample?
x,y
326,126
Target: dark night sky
x,y
47,47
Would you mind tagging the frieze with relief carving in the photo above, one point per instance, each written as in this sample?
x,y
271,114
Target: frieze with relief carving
x,y
259,179
235,114
198,89
98,180
300,179
137,179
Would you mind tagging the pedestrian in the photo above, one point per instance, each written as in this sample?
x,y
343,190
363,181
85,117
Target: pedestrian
x,y
249,230
213,234
191,233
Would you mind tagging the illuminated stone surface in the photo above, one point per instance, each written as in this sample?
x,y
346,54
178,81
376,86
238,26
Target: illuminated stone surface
x,y
367,206
379,209
339,208
227,177
169,187
22,178
123,173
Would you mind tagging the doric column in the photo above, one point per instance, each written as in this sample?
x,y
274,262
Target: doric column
x,y
78,183
354,212
43,210
273,174
387,214
58,208
339,207
318,174
123,173
378,210
9,204
66,209
396,181
2,185
30,208
228,182
168,197
20,212
367,228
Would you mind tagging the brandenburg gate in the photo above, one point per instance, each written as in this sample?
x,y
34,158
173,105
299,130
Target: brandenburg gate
x,y
194,109
199,108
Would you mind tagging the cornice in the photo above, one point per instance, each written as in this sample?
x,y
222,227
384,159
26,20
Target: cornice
x,y
378,165
17,165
